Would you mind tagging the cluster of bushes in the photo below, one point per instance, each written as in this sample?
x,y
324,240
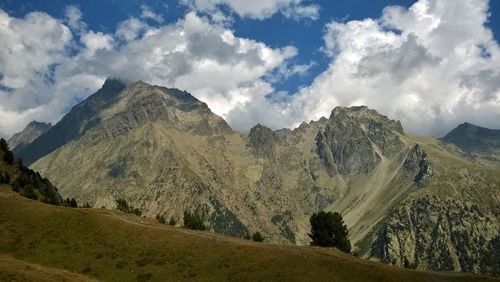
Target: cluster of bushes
x,y
28,183
161,219
71,203
122,205
31,184
194,221
256,237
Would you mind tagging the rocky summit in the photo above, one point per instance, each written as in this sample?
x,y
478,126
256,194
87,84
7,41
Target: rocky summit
x,y
476,141
32,131
410,201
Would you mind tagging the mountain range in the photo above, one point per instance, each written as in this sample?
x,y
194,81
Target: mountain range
x,y
411,201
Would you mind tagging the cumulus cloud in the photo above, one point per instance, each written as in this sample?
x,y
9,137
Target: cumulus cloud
x,y
147,13
259,9
42,80
432,66
131,29
73,18
31,48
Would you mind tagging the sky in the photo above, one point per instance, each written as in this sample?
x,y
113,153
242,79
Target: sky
x,y
432,64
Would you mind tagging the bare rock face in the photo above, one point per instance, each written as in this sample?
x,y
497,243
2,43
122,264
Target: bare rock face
x,y
416,162
352,137
430,233
142,103
261,141
28,134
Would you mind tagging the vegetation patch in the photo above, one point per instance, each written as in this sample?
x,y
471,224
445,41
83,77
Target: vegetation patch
x,y
225,222
122,205
328,230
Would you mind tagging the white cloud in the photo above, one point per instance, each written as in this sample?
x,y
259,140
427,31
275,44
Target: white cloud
x,y
194,53
259,9
287,70
30,50
73,18
298,12
147,13
432,66
94,41
131,29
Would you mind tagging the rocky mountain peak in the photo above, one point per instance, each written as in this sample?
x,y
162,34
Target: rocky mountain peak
x,y
81,117
366,117
476,140
141,103
117,108
471,137
28,134
355,138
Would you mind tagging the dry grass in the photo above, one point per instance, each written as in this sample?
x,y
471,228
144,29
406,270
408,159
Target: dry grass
x,y
17,270
112,246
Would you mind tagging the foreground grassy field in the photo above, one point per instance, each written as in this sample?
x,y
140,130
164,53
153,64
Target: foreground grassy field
x,y
39,242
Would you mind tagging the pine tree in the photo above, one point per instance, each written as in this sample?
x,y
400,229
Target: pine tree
x,y
257,237
4,147
328,230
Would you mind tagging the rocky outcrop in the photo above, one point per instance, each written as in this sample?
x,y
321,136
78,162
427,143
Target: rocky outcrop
x,y
261,141
430,233
28,134
351,138
416,163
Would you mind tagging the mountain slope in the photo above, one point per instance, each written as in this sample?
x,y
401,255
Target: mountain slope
x,y
32,131
25,181
451,223
166,152
112,246
477,140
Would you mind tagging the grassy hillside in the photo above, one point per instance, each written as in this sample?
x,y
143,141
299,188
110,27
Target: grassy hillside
x,y
47,242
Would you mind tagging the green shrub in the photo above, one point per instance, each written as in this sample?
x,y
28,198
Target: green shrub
x,y
136,211
257,237
160,218
8,157
407,264
71,203
122,205
172,221
5,178
194,221
4,147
